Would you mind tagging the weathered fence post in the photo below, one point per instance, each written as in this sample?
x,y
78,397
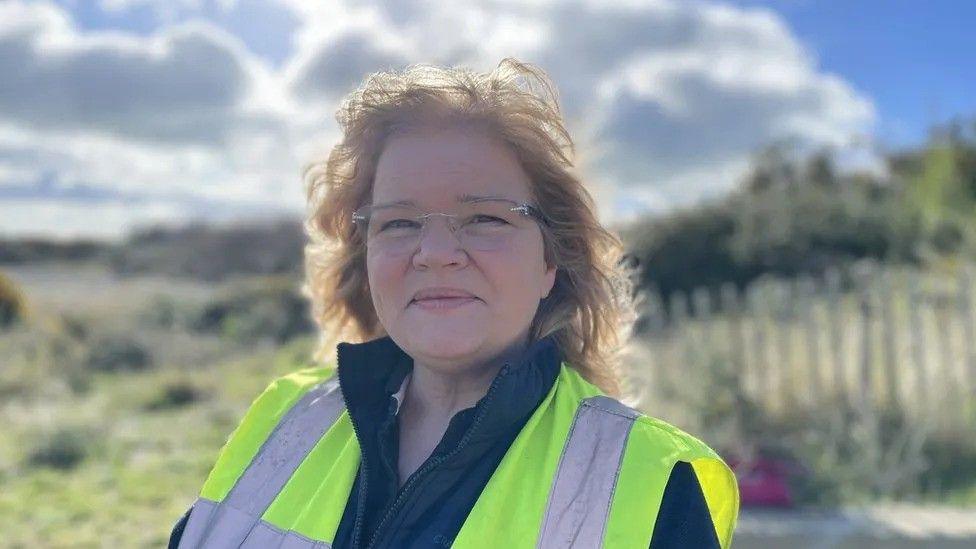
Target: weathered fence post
x,y
916,327
835,323
758,310
814,375
889,343
732,307
703,315
784,310
865,378
683,358
968,337
655,326
944,362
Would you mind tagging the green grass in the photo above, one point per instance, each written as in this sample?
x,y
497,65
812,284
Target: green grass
x,y
141,468
94,458
112,458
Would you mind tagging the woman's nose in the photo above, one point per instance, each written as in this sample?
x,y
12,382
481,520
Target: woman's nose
x,y
439,246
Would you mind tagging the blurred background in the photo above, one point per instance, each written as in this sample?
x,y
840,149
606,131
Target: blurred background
x,y
795,178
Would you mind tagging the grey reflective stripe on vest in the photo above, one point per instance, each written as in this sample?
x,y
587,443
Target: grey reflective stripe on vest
x,y
582,490
236,521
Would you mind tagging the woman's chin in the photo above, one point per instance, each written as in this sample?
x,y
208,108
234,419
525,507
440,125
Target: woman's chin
x,y
446,344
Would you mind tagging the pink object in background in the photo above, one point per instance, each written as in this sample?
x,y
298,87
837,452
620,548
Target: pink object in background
x,y
762,482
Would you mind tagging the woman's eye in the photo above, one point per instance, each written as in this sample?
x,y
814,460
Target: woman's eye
x,y
483,218
399,224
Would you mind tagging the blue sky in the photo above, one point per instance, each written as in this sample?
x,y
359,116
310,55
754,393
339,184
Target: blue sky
x,y
116,114
914,58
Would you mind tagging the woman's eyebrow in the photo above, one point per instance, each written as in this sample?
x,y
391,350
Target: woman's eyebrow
x,y
476,197
395,203
461,198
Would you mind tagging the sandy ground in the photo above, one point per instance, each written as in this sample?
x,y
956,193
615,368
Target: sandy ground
x,y
888,526
90,286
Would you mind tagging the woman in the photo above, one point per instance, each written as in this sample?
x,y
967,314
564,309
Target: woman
x,y
451,238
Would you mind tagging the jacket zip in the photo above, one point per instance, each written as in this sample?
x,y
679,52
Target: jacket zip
x,y
361,503
391,468
363,481
436,461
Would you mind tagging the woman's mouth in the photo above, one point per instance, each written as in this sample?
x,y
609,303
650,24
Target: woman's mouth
x,y
442,303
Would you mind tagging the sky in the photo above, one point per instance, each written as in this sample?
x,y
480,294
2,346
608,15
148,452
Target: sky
x,y
913,59
117,114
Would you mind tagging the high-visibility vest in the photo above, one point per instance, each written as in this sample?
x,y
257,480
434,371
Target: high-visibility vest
x,y
584,471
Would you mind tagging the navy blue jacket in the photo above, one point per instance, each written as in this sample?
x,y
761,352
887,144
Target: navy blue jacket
x,y
431,506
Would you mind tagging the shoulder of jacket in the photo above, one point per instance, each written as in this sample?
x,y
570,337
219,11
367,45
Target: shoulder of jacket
x,y
303,379
666,433
294,384
258,421
282,392
654,446
654,430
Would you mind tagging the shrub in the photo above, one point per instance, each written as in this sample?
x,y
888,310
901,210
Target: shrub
x,y
74,326
31,250
269,309
166,312
62,449
951,464
176,395
686,250
788,225
13,306
212,253
115,353
841,452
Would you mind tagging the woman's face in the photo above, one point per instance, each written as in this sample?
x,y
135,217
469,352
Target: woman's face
x,y
433,168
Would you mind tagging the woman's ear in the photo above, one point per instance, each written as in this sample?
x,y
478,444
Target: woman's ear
x,y
549,280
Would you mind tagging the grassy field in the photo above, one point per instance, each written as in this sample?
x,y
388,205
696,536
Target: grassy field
x,y
117,393
96,457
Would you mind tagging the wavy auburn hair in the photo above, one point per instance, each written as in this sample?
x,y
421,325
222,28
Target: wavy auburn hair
x,y
590,309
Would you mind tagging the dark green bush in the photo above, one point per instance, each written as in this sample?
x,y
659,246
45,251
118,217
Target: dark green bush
x,y
32,250
213,253
62,449
166,312
114,353
176,395
270,309
787,219
13,306
951,465
74,326
686,250
843,451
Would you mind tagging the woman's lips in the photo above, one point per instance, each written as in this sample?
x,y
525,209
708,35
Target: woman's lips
x,y
442,303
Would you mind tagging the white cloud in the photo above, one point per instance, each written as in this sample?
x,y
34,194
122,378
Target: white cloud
x,y
183,122
339,64
668,98
186,84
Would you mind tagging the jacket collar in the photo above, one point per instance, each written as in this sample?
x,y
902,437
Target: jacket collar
x,y
370,374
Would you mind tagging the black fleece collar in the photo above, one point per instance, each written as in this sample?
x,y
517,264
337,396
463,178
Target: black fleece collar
x,y
371,372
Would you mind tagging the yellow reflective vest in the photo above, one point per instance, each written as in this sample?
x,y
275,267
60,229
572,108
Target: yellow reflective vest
x,y
584,471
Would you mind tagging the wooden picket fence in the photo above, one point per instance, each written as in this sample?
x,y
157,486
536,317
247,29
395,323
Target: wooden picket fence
x,y
874,335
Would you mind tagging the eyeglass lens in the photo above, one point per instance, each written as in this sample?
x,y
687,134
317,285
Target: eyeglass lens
x,y
481,226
